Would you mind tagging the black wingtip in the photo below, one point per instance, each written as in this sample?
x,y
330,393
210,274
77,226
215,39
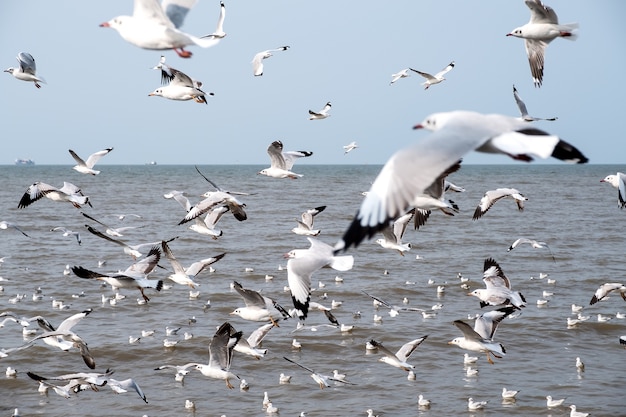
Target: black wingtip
x,y
568,153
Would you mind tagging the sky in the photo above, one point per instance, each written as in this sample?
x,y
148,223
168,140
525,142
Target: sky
x,y
344,52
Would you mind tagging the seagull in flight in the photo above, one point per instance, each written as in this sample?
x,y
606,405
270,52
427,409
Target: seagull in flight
x,y
219,31
322,380
181,86
534,243
86,167
257,61
491,197
400,74
349,147
69,192
434,79
399,359
27,71
4,225
322,114
522,109
282,162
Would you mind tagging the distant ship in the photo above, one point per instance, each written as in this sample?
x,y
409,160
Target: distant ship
x,y
151,163
20,161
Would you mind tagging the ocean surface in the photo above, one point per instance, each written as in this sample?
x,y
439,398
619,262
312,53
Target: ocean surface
x,y
567,207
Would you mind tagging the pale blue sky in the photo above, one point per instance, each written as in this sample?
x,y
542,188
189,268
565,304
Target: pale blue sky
x,y
341,51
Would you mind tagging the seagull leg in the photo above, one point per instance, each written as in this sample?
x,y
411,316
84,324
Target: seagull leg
x,y
228,384
37,85
182,53
145,297
274,322
489,358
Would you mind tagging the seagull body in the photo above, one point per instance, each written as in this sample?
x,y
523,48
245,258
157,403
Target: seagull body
x,y
206,225
251,345
574,413
399,359
553,403
400,74
322,114
475,405
214,199
434,79
508,394
69,192
184,276
605,289
524,112
534,243
27,71
181,87
221,350
257,61
156,26
86,167
542,29
392,234
491,197
618,181
67,233
410,172
305,225
282,162
258,307
349,147
303,263
498,288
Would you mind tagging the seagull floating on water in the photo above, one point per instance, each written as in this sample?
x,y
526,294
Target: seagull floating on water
x,y
27,71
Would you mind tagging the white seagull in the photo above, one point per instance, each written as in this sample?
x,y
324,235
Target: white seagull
x,y
258,307
534,243
221,350
394,310
322,380
67,232
399,359
219,31
282,162
305,225
86,167
181,87
410,172
116,232
605,289
252,344
400,74
434,79
132,250
257,61
475,405
69,192
156,26
27,71
542,29
303,263
574,413
553,403
492,196
498,288
618,181
349,147
522,109
322,114
203,225
184,276
392,234
212,200
4,225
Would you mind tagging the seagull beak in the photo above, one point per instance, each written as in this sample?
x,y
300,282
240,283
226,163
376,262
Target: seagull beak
x,y
450,343
418,126
105,25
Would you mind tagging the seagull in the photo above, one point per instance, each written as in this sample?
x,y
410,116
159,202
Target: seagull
x,y
349,147
221,350
399,359
392,234
116,232
75,382
120,387
575,413
553,403
303,263
423,402
437,78
542,29
156,26
133,277
605,289
184,276
475,405
400,74
67,232
258,307
508,394
498,288
181,87
535,244
181,370
4,225
411,171
69,192
206,225
305,225
27,71
522,109
219,31
251,345
86,167
434,198
322,114
257,61
282,162
322,380
61,337
492,196
618,181
394,310
132,250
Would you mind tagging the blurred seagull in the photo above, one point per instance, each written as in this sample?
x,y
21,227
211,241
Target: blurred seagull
x,y
400,74
322,380
4,225
605,289
491,197
156,26
535,244
542,29
257,61
86,167
399,359
305,225
67,232
618,181
322,114
282,162
522,109
27,71
437,78
69,192
349,147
